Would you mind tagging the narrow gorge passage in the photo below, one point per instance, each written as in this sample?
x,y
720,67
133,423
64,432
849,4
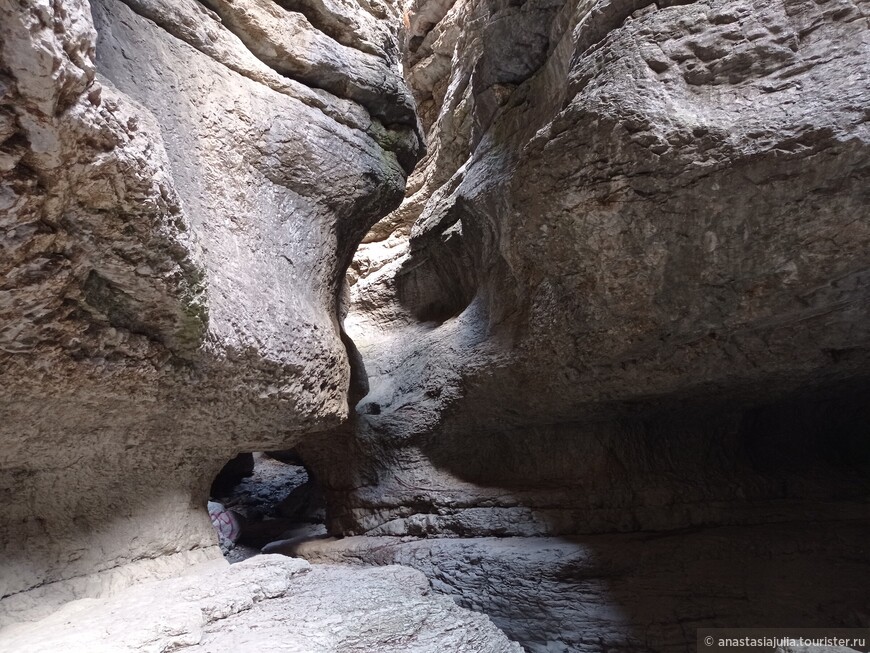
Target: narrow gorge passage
x,y
265,501
433,326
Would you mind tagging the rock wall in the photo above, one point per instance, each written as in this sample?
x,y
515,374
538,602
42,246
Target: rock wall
x,y
623,303
626,293
172,261
638,231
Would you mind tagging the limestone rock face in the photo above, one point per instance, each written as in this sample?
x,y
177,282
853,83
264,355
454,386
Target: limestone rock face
x,y
268,603
627,289
636,227
177,215
612,332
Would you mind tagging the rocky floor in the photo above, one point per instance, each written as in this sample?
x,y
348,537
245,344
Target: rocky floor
x,y
268,604
638,591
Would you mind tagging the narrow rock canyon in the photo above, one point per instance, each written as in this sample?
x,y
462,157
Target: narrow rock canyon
x,y
561,309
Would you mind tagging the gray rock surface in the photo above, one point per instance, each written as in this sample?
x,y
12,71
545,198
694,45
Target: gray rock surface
x,y
626,293
624,302
639,238
170,272
637,591
603,229
269,603
291,45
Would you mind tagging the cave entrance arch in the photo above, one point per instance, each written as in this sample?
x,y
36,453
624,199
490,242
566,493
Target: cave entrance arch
x,y
265,502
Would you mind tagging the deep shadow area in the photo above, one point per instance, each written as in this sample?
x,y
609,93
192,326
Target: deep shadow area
x,y
663,460
659,588
674,517
651,592
260,499
705,514
830,427
640,592
439,279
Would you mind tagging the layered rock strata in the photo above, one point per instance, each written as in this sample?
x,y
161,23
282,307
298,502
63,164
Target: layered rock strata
x,y
650,252
640,591
623,303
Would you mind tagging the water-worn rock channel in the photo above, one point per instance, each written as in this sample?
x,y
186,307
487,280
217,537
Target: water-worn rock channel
x,y
564,305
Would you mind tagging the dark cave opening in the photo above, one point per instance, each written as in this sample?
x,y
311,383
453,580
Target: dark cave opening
x,y
818,429
265,502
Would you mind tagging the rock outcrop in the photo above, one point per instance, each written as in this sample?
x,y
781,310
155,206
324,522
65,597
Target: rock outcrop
x,y
177,217
639,591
